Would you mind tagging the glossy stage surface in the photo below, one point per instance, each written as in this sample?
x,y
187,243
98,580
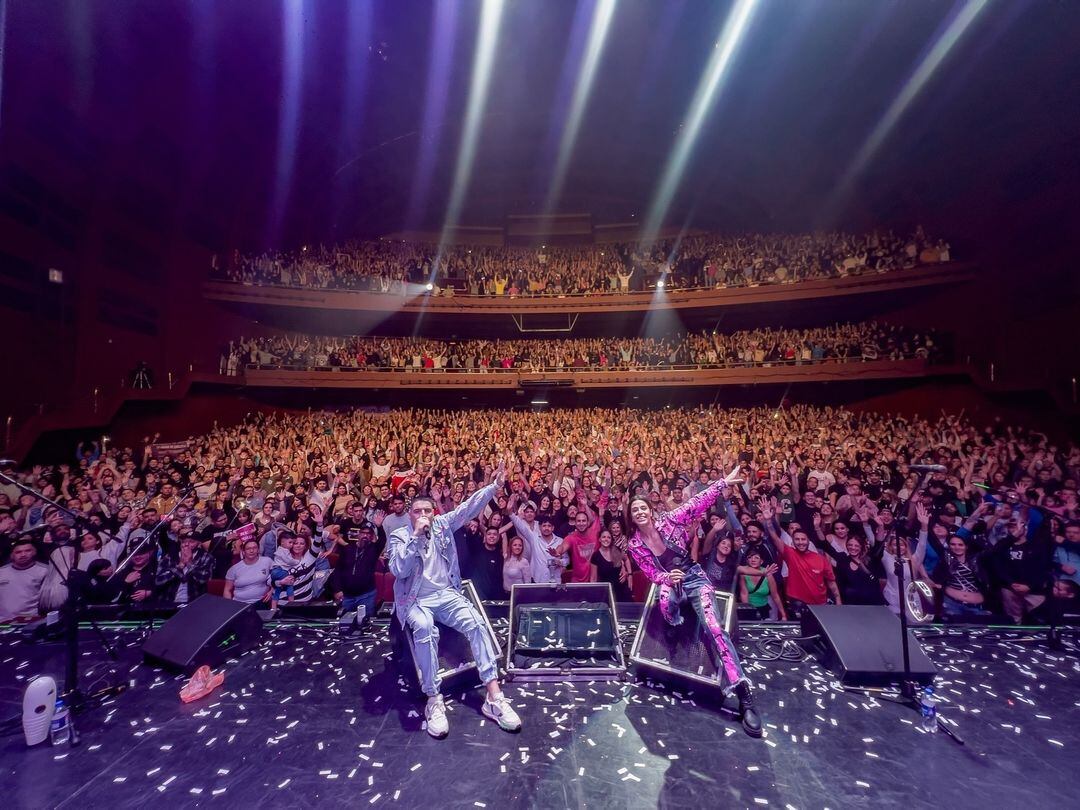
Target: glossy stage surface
x,y
314,719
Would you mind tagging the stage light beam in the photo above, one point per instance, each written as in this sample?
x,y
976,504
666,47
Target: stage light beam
x,y
709,85
288,134
490,17
594,49
910,91
435,98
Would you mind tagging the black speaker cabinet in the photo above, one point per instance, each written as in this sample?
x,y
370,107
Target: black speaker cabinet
x,y
456,665
563,633
683,655
862,644
208,631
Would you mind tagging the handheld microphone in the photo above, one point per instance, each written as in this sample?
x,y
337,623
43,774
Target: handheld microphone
x,y
426,532
927,468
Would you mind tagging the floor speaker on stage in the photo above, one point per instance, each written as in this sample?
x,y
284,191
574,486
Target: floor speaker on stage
x,y
456,664
683,655
208,631
563,632
862,644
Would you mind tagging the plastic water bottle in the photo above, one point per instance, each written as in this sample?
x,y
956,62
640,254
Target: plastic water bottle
x,y
928,706
60,730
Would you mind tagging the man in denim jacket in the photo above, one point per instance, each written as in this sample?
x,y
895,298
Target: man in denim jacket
x,y
427,589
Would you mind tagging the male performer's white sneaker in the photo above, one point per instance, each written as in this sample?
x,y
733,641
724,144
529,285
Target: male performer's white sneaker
x,y
502,713
435,714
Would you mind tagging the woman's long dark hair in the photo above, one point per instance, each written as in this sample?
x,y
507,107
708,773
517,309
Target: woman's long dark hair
x,y
628,522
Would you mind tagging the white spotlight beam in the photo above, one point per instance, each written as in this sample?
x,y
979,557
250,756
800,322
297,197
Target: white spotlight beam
x,y
735,25
594,48
911,89
490,16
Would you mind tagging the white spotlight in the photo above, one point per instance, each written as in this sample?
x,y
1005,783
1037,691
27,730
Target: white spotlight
x,y
429,286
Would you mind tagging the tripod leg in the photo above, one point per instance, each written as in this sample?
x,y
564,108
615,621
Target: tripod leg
x,y
944,727
104,640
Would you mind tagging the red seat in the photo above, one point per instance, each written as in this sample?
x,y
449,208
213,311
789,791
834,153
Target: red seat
x,y
384,587
639,586
216,587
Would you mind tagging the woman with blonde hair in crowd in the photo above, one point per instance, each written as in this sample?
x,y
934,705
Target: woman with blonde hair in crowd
x,y
609,564
516,569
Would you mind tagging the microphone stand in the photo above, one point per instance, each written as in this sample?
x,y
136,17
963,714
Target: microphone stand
x,y
222,535
75,581
145,539
119,568
909,687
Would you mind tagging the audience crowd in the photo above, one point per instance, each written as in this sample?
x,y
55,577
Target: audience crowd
x,y
706,261
296,507
842,342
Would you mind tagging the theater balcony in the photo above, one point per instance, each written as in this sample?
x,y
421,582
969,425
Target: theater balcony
x,y
516,378
193,402
398,313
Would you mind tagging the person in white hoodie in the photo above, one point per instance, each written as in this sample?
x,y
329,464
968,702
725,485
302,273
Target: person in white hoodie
x,y
547,552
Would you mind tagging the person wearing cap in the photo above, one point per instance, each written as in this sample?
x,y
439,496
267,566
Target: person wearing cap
x,y
183,575
353,581
214,537
547,552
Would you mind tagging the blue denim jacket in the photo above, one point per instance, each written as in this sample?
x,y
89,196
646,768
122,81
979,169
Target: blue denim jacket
x,y
405,561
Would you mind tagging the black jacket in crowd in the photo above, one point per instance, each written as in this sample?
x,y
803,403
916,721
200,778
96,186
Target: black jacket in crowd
x,y
354,573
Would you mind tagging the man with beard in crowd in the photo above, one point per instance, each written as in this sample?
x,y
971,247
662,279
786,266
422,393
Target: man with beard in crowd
x,y
353,579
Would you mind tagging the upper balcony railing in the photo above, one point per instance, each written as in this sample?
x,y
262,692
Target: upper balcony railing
x,y
585,377
414,298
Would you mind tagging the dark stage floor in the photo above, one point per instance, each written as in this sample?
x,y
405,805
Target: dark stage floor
x,y
310,719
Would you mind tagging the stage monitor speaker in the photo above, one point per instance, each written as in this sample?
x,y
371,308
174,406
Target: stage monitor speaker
x,y
456,664
862,644
563,632
208,631
557,630
683,655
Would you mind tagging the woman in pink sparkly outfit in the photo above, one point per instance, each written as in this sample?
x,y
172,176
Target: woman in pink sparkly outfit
x,y
661,548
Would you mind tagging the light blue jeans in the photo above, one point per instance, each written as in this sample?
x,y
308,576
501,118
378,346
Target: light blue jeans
x,y
350,603
450,608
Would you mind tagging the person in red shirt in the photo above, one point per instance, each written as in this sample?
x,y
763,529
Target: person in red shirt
x,y
810,576
584,539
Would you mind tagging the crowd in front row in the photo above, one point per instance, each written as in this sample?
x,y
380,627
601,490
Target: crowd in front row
x,y
290,509
699,261
841,342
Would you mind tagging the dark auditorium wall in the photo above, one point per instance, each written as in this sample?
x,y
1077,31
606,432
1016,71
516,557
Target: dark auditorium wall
x,y
131,289
956,396
194,415
1017,220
